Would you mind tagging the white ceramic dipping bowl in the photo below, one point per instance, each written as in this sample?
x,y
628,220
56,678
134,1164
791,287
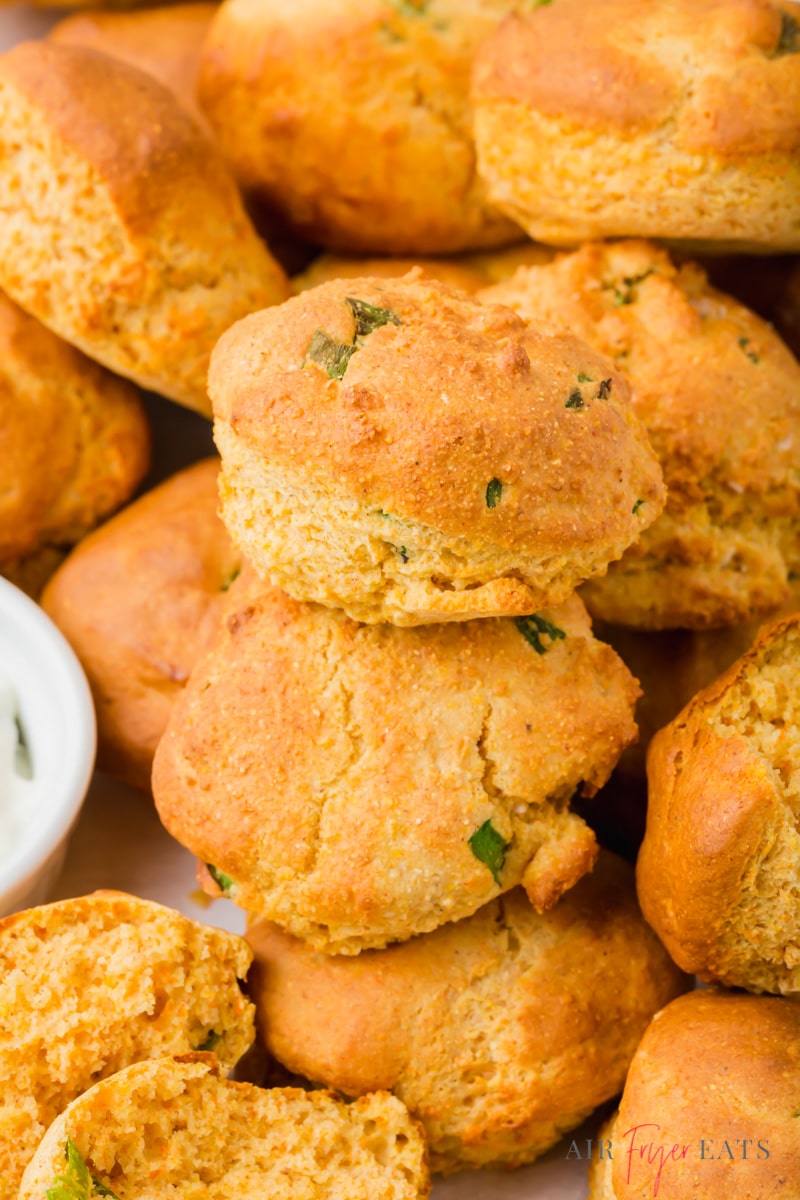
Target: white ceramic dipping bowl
x,y
58,722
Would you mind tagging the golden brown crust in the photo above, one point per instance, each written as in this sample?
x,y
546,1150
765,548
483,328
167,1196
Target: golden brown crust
x,y
354,122
163,42
686,100
499,1032
74,443
92,984
719,395
304,761
174,1127
140,252
138,601
445,399
717,869
718,1075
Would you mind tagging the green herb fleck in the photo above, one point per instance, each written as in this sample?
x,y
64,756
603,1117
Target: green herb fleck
x,y
332,356
534,628
575,400
211,1042
789,40
744,342
223,882
401,550
637,506
534,4
489,848
229,579
386,516
368,317
494,490
604,391
411,8
624,291
76,1183
584,378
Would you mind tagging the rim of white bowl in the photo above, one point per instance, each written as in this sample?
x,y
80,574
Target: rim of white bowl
x,y
70,683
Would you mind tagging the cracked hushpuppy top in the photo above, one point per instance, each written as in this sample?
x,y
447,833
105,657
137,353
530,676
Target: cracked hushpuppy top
x,y
717,872
173,1127
138,601
674,119
719,395
92,984
396,449
710,1107
353,122
358,784
74,443
163,42
499,1033
121,227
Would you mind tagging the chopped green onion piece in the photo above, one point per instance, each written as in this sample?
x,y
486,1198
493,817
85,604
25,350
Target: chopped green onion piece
x,y
575,400
534,628
223,881
368,317
494,490
332,356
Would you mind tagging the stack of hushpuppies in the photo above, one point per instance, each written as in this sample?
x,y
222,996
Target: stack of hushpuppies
x,y
370,694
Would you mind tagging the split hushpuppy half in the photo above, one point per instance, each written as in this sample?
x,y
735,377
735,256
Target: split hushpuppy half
x,y
500,1032
138,601
173,1127
717,872
163,42
719,395
88,986
121,228
74,443
710,1106
354,121
398,450
676,119
358,784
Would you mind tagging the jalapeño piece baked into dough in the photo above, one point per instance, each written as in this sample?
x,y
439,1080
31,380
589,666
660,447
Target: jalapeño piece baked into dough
x,y
676,119
173,1127
138,601
88,986
120,226
719,395
354,120
163,42
398,450
717,872
358,784
499,1032
717,1077
74,443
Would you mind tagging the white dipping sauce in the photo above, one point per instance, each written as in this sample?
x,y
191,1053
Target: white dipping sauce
x,y
17,787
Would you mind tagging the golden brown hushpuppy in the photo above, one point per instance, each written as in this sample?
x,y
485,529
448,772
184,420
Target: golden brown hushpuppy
x,y
120,226
88,986
358,784
719,395
470,272
74,443
499,1033
138,601
162,42
398,450
717,872
354,120
710,1106
173,1127
676,118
